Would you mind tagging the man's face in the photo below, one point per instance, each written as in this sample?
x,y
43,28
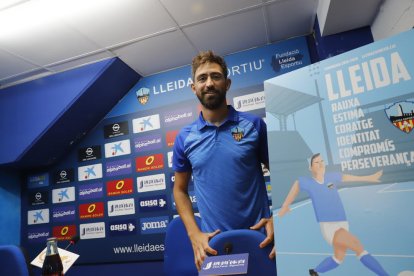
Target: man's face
x,y
210,85
318,165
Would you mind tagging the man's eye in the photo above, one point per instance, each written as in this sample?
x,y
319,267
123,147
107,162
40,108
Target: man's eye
x,y
201,79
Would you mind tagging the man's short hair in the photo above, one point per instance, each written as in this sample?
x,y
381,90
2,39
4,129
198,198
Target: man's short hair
x,y
208,57
313,157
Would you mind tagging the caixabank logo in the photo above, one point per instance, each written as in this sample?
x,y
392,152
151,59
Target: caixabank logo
x,y
149,162
154,225
121,207
117,148
153,203
119,187
63,195
92,230
122,227
38,216
144,124
65,232
90,172
91,210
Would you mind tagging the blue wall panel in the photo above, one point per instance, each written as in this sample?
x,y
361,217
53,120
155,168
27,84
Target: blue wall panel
x,y
10,208
28,109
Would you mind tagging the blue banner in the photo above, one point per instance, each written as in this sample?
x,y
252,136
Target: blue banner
x,y
341,145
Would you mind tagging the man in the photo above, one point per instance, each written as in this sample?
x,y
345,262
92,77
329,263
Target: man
x,y
330,214
223,150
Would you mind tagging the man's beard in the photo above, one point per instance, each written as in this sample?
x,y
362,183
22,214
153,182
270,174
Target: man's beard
x,y
212,101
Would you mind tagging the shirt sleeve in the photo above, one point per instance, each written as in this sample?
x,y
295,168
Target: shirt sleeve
x,y
263,148
180,160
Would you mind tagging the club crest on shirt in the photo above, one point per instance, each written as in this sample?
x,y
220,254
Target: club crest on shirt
x,y
143,95
237,133
399,117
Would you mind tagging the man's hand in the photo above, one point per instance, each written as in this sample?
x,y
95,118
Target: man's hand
x,y
267,223
376,176
199,241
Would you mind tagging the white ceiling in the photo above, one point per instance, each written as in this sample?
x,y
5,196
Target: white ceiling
x,y
44,37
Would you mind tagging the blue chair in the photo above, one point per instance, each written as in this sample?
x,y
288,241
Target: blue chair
x,y
178,253
246,241
12,261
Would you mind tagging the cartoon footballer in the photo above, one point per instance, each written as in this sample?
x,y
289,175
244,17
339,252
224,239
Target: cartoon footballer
x,y
330,214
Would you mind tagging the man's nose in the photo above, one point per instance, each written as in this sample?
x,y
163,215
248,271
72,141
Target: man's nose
x,y
209,82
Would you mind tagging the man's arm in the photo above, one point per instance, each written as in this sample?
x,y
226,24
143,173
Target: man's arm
x,y
267,223
293,193
199,240
374,178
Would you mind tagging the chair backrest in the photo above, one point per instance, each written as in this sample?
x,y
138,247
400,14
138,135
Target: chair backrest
x,y
246,241
12,261
178,253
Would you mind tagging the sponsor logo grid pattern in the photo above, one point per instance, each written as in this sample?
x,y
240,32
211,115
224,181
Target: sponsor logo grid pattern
x,y
134,167
144,155
122,185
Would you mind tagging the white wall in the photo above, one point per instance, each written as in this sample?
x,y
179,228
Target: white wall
x,y
394,16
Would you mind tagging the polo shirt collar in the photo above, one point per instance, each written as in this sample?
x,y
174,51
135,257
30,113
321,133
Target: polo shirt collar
x,y
232,115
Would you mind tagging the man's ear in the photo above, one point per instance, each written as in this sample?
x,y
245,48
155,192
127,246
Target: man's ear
x,y
228,83
193,88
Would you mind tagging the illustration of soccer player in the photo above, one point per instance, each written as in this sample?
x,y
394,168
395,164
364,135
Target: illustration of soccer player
x,y
330,214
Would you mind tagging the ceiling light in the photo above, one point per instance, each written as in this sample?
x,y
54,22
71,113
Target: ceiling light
x,y
5,4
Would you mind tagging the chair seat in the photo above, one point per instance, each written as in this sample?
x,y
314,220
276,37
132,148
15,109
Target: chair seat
x,y
13,261
178,253
246,241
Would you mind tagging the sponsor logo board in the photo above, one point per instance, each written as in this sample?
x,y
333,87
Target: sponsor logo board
x,y
150,183
63,195
38,216
91,210
117,148
92,230
90,172
121,207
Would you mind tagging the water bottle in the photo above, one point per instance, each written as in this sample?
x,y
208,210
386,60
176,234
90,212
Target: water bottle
x,y
52,265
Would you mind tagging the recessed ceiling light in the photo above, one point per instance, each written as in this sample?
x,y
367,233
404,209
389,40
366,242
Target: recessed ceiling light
x,y
5,4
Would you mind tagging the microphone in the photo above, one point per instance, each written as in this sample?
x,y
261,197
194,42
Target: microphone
x,y
228,248
72,241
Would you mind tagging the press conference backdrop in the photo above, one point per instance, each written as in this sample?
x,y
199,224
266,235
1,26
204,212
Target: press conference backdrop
x,y
115,189
356,109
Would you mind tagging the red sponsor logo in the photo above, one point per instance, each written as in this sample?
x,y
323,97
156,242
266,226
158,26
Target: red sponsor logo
x,y
91,210
170,137
149,162
119,187
64,232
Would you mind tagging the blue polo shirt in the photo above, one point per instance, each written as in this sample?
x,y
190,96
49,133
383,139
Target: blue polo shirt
x,y
326,201
226,165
